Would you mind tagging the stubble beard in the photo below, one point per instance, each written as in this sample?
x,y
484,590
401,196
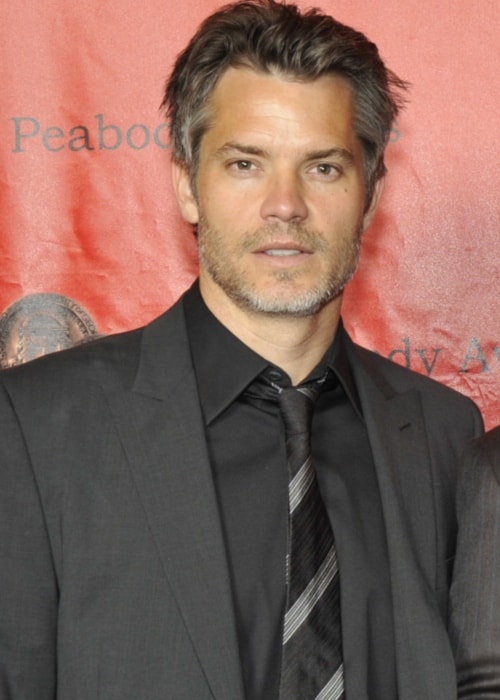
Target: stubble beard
x,y
221,264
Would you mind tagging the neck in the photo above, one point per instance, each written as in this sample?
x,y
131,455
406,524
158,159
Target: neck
x,y
295,344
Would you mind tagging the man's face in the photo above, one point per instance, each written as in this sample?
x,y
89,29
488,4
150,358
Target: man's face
x,y
279,199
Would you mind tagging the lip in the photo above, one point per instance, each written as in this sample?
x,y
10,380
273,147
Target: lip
x,y
283,254
284,247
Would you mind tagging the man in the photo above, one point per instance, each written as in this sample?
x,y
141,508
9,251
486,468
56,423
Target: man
x,y
150,541
475,591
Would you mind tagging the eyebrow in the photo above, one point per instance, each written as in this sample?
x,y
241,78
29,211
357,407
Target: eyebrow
x,y
247,149
244,149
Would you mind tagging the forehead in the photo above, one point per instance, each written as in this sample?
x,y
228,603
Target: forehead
x,y
273,106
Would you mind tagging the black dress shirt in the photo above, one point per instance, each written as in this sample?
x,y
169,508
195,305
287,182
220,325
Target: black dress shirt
x,y
246,446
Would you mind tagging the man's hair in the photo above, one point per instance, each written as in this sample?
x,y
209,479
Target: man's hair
x,y
274,37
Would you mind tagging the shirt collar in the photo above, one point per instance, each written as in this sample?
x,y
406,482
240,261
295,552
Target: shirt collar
x,y
224,366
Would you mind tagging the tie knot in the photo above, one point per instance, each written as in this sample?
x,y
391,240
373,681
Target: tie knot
x,y
296,405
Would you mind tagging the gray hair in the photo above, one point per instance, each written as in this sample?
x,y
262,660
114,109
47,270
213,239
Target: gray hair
x,y
275,37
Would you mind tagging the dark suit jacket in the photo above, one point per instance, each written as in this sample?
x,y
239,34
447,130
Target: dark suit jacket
x,y
113,575
475,592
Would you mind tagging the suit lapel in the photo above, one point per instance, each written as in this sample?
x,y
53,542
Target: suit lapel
x,y
162,433
398,438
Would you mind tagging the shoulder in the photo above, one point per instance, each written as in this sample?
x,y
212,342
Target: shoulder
x,y
112,359
489,444
77,364
391,379
483,454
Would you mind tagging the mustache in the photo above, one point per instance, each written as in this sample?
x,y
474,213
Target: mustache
x,y
293,233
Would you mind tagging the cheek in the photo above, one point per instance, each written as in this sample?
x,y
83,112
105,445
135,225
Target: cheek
x,y
339,214
223,210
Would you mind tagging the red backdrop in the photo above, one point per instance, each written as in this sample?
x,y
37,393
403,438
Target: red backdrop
x,y
87,212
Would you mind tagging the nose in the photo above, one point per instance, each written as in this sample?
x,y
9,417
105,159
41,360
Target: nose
x,y
284,199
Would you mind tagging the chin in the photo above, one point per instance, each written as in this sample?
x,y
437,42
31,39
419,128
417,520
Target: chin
x,y
298,304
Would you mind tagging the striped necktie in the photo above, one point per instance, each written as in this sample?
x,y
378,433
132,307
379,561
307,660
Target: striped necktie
x,y
312,645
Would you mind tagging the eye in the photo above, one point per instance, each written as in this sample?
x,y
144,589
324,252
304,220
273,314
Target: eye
x,y
243,168
241,165
325,172
327,169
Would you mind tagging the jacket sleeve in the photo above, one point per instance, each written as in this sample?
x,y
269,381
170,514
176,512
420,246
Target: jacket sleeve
x,y
28,588
474,622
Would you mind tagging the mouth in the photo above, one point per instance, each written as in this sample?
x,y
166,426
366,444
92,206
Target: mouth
x,y
283,255
282,252
283,248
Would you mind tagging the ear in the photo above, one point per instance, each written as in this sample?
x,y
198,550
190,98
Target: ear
x,y
370,212
184,193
